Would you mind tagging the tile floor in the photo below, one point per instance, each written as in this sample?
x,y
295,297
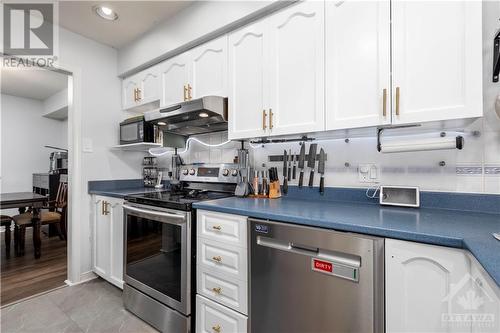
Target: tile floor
x,y
95,306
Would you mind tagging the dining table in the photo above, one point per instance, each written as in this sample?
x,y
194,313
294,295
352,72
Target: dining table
x,y
21,201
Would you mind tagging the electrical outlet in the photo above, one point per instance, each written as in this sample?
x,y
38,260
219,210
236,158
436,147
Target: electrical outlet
x,y
368,173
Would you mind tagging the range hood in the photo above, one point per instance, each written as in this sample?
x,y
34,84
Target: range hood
x,y
203,115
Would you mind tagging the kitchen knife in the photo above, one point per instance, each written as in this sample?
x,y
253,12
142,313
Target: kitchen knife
x,y
321,170
294,172
311,162
302,157
289,164
285,161
285,173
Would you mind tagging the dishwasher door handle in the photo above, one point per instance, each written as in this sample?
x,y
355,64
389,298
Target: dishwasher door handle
x,y
347,260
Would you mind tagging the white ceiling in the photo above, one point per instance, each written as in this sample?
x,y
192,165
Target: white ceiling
x,y
32,83
134,19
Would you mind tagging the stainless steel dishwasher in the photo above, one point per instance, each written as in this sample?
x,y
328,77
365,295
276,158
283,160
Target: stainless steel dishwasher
x,y
313,280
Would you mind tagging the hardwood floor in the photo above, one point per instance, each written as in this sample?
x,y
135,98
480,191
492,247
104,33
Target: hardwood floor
x,y
24,276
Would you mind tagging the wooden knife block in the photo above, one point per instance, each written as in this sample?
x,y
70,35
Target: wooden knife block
x,y
274,190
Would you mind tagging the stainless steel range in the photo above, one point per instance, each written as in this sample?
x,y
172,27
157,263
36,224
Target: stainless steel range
x,y
159,260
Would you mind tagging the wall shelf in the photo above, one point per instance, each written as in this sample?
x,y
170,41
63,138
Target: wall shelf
x,y
141,146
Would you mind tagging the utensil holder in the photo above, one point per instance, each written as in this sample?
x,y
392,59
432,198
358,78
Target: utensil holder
x,y
274,190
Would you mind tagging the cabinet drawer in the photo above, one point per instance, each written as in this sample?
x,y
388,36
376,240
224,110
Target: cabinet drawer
x,y
218,287
227,228
229,260
215,318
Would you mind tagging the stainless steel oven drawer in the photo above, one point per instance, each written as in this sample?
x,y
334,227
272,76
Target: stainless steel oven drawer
x,y
155,313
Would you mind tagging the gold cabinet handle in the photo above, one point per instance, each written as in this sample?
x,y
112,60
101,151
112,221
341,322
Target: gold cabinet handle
x,y
135,94
216,227
264,116
216,328
139,94
271,119
217,290
384,105
189,92
185,93
106,204
217,258
397,101
102,207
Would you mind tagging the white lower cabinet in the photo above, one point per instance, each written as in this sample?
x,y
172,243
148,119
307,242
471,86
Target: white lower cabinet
x,y
421,282
107,239
485,298
215,318
221,273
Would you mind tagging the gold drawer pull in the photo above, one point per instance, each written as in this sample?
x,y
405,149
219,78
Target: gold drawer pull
x,y
216,227
189,92
264,116
217,290
217,258
216,328
397,100
185,93
384,108
271,119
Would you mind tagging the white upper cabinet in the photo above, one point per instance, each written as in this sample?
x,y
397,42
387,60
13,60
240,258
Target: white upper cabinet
x,y
129,92
437,60
149,90
174,80
420,284
196,73
208,72
357,64
141,92
247,82
296,68
276,74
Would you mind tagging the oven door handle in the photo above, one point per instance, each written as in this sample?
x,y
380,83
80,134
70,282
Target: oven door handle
x,y
154,213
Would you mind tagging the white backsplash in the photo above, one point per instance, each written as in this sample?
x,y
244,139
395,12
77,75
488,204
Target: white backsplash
x,y
476,168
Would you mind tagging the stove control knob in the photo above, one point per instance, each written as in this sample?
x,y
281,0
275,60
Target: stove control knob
x,y
192,172
225,172
185,172
234,172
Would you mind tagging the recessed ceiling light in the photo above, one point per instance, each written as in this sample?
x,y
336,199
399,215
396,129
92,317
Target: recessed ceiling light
x,y
162,123
105,12
203,115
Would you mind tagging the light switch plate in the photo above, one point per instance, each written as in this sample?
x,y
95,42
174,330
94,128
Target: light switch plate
x,y
368,173
88,146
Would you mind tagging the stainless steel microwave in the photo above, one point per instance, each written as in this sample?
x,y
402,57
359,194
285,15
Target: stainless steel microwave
x,y
136,130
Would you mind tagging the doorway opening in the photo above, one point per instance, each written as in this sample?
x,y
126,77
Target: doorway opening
x,y
34,160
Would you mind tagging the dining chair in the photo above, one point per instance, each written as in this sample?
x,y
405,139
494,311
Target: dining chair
x,y
6,221
56,215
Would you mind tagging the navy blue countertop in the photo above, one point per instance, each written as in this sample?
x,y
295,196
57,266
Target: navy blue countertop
x,y
119,188
471,230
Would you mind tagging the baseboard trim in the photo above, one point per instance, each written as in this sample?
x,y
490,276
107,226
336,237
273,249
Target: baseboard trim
x,y
84,277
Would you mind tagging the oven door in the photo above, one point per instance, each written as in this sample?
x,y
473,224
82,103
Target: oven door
x,y
157,254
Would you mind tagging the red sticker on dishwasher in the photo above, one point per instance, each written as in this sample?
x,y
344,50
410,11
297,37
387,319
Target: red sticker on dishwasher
x,y
322,266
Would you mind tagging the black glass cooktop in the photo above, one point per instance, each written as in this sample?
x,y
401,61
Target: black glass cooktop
x,y
176,200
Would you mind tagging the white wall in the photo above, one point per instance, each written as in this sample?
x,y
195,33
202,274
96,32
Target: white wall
x,y
24,133
193,22
100,105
